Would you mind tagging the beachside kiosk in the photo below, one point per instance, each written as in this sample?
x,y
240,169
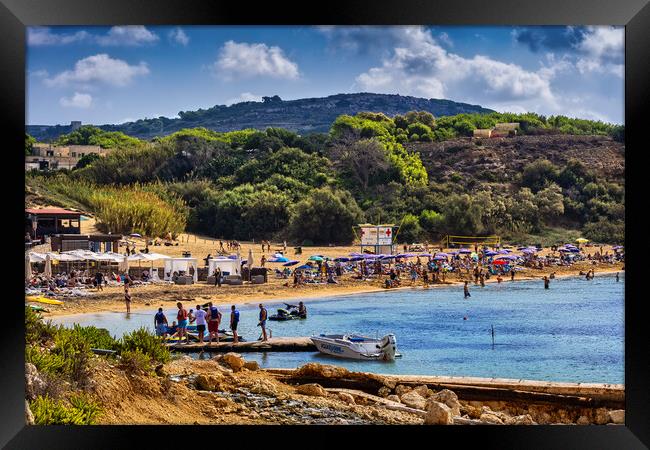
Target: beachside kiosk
x,y
377,239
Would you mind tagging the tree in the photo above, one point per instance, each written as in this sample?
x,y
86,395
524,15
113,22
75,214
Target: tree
x,y
87,160
549,202
432,223
538,173
410,229
325,216
361,160
29,144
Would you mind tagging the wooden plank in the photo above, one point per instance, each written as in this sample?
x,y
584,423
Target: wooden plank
x,y
295,344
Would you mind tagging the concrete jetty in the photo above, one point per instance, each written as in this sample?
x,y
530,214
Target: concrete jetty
x,y
284,344
474,388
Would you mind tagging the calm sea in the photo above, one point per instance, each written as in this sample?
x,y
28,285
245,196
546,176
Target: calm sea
x,y
573,331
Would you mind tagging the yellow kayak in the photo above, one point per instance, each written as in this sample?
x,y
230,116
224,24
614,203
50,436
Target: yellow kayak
x,y
41,299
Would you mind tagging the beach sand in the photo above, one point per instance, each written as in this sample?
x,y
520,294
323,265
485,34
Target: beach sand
x,y
151,296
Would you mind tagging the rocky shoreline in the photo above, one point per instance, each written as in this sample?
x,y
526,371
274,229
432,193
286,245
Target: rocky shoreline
x,y
227,389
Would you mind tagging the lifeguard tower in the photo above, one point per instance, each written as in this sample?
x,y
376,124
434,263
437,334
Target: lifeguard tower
x,y
377,239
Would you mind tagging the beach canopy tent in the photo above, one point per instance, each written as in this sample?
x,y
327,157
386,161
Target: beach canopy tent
x,y
181,265
228,266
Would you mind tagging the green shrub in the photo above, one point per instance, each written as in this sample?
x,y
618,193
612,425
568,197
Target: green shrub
x,y
97,337
45,361
135,362
81,410
36,329
147,343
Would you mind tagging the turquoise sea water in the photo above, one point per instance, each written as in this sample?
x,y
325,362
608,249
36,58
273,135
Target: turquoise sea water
x,y
573,331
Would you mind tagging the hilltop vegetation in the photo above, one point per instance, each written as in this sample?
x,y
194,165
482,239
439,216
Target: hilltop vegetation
x,y
307,115
413,169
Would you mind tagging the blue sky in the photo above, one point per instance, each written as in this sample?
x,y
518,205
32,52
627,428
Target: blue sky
x,y
104,75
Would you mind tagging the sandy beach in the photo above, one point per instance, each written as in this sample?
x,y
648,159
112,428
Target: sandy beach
x,y
166,295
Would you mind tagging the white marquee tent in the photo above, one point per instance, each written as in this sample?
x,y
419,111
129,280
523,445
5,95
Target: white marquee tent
x,y
180,265
228,266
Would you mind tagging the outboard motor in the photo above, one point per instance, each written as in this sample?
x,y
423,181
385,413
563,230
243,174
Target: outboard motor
x,y
388,347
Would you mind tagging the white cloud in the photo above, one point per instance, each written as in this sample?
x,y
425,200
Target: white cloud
x,y
99,68
242,60
178,36
444,38
421,67
244,97
78,100
131,35
37,36
603,50
42,73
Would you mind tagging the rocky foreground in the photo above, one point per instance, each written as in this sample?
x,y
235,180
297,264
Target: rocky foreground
x,y
230,390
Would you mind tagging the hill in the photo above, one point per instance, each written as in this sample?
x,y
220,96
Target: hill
x,y
303,116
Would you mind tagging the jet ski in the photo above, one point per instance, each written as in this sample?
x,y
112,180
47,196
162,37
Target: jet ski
x,y
290,313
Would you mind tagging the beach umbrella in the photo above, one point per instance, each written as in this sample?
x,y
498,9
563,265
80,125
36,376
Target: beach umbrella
x,y
48,266
304,267
510,257
582,240
315,258
504,251
490,253
425,254
529,251
356,258
499,262
355,254
440,258
388,257
291,263
342,259
125,264
138,235
442,254
405,255
280,259
617,247
28,267
464,250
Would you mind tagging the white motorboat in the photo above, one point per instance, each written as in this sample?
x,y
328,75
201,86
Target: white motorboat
x,y
355,346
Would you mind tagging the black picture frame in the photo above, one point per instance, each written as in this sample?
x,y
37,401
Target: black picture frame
x,y
15,15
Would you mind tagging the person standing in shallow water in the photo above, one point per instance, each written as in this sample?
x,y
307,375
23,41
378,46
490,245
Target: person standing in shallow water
x,y
127,298
234,321
466,290
546,282
617,277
